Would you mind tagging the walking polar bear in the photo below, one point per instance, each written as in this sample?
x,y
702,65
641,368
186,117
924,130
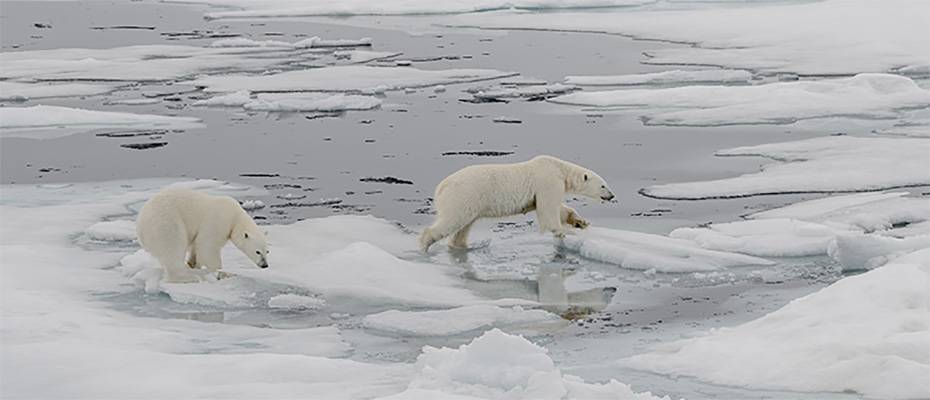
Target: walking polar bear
x,y
179,222
500,190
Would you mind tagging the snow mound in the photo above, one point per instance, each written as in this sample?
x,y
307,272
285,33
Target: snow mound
x,y
865,333
496,366
645,251
122,230
827,164
289,301
796,37
54,121
862,96
672,77
18,91
354,78
457,320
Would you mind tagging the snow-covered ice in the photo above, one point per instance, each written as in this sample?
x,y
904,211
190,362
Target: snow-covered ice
x,y
766,237
868,96
521,91
458,320
53,121
497,366
673,77
345,78
834,37
826,164
865,333
645,251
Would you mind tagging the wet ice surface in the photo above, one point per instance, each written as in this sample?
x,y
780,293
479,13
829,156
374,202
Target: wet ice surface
x,y
318,162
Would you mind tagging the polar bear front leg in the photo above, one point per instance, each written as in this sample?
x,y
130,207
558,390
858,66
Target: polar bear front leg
x,y
208,254
571,218
549,211
192,258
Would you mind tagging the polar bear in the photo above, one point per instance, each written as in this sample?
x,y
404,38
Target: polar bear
x,y
500,190
179,222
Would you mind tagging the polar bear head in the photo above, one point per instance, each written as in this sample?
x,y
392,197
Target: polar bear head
x,y
250,240
587,183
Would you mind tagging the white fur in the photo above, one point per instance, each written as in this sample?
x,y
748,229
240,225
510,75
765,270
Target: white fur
x,y
179,222
500,190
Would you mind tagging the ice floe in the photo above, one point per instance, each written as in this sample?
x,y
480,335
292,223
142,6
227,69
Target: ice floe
x,y
521,91
865,333
819,165
134,63
53,121
290,8
862,96
293,101
673,77
289,301
350,78
19,91
497,366
835,37
859,231
645,251
458,320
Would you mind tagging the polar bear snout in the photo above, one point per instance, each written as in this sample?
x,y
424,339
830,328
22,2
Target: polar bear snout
x,y
606,194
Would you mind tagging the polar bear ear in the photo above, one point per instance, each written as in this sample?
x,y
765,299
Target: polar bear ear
x,y
585,177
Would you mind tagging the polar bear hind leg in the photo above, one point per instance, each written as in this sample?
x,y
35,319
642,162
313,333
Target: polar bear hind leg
x,y
460,239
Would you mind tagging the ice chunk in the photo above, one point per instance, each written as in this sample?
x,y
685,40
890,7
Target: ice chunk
x,y
237,99
531,91
346,78
858,251
18,91
862,96
866,333
496,366
764,238
317,42
820,165
54,121
121,230
864,212
645,251
311,102
457,320
672,77
769,38
363,56
289,301
243,42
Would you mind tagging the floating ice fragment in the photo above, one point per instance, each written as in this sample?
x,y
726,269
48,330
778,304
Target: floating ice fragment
x,y
457,320
53,121
291,301
663,78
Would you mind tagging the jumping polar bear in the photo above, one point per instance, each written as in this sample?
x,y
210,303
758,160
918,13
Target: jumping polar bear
x,y
500,190
179,222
